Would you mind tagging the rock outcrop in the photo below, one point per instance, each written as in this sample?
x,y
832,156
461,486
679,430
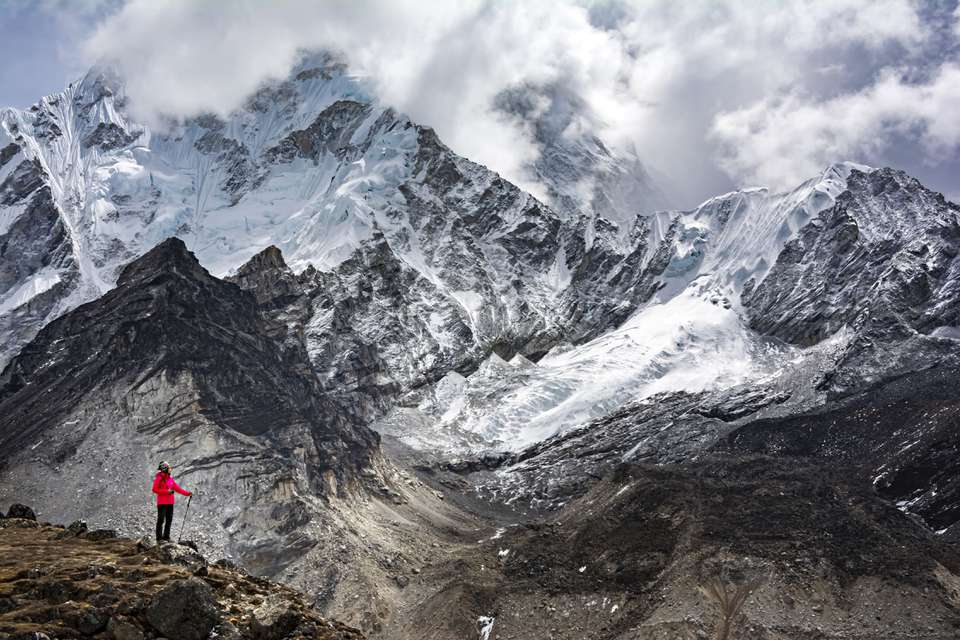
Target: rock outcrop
x,y
22,511
54,585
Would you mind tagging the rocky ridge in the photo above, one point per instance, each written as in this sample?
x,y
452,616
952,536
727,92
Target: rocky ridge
x,y
67,582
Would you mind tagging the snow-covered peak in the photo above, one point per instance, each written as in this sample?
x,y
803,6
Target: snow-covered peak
x,y
736,237
312,164
581,174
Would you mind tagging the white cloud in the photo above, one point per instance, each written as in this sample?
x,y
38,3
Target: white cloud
x,y
653,75
780,141
71,7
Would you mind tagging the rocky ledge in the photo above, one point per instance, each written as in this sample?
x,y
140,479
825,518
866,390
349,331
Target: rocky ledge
x,y
68,582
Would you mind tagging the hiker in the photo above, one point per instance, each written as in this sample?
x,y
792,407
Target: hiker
x,y
165,488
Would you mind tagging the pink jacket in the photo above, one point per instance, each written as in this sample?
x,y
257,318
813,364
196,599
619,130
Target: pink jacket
x,y
164,486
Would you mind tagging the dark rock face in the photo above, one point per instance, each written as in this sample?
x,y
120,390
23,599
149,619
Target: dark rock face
x,y
8,152
109,135
35,247
902,436
21,511
610,280
184,609
177,320
330,132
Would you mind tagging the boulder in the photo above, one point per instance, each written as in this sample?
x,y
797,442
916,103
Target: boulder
x,y
121,628
274,619
88,621
184,609
101,534
170,553
77,527
224,563
18,510
227,631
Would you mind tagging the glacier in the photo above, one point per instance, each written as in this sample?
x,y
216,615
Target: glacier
x,y
692,335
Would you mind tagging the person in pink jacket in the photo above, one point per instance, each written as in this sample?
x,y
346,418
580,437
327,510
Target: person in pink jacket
x,y
165,488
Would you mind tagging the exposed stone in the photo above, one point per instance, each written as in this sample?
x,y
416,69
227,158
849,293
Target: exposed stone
x,y
100,534
274,619
145,542
184,609
88,621
227,564
180,554
227,631
77,527
121,628
18,510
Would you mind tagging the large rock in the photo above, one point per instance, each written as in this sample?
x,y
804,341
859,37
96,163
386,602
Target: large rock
x,y
18,510
88,621
274,619
184,609
121,628
100,534
182,555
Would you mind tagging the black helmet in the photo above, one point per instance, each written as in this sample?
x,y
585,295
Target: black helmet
x,y
164,467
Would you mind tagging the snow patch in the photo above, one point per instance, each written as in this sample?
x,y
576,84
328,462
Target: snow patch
x,y
41,281
485,626
951,333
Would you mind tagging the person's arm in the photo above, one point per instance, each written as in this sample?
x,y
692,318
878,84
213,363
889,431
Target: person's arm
x,y
157,486
182,492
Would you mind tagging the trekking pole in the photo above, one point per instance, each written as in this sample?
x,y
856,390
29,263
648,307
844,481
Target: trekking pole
x,y
184,523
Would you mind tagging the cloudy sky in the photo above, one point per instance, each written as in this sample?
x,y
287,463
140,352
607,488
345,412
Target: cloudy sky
x,y
711,95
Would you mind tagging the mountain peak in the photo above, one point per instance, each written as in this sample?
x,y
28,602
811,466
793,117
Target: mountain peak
x,y
267,260
171,253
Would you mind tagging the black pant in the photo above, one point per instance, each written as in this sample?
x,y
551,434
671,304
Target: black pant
x,y
164,520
